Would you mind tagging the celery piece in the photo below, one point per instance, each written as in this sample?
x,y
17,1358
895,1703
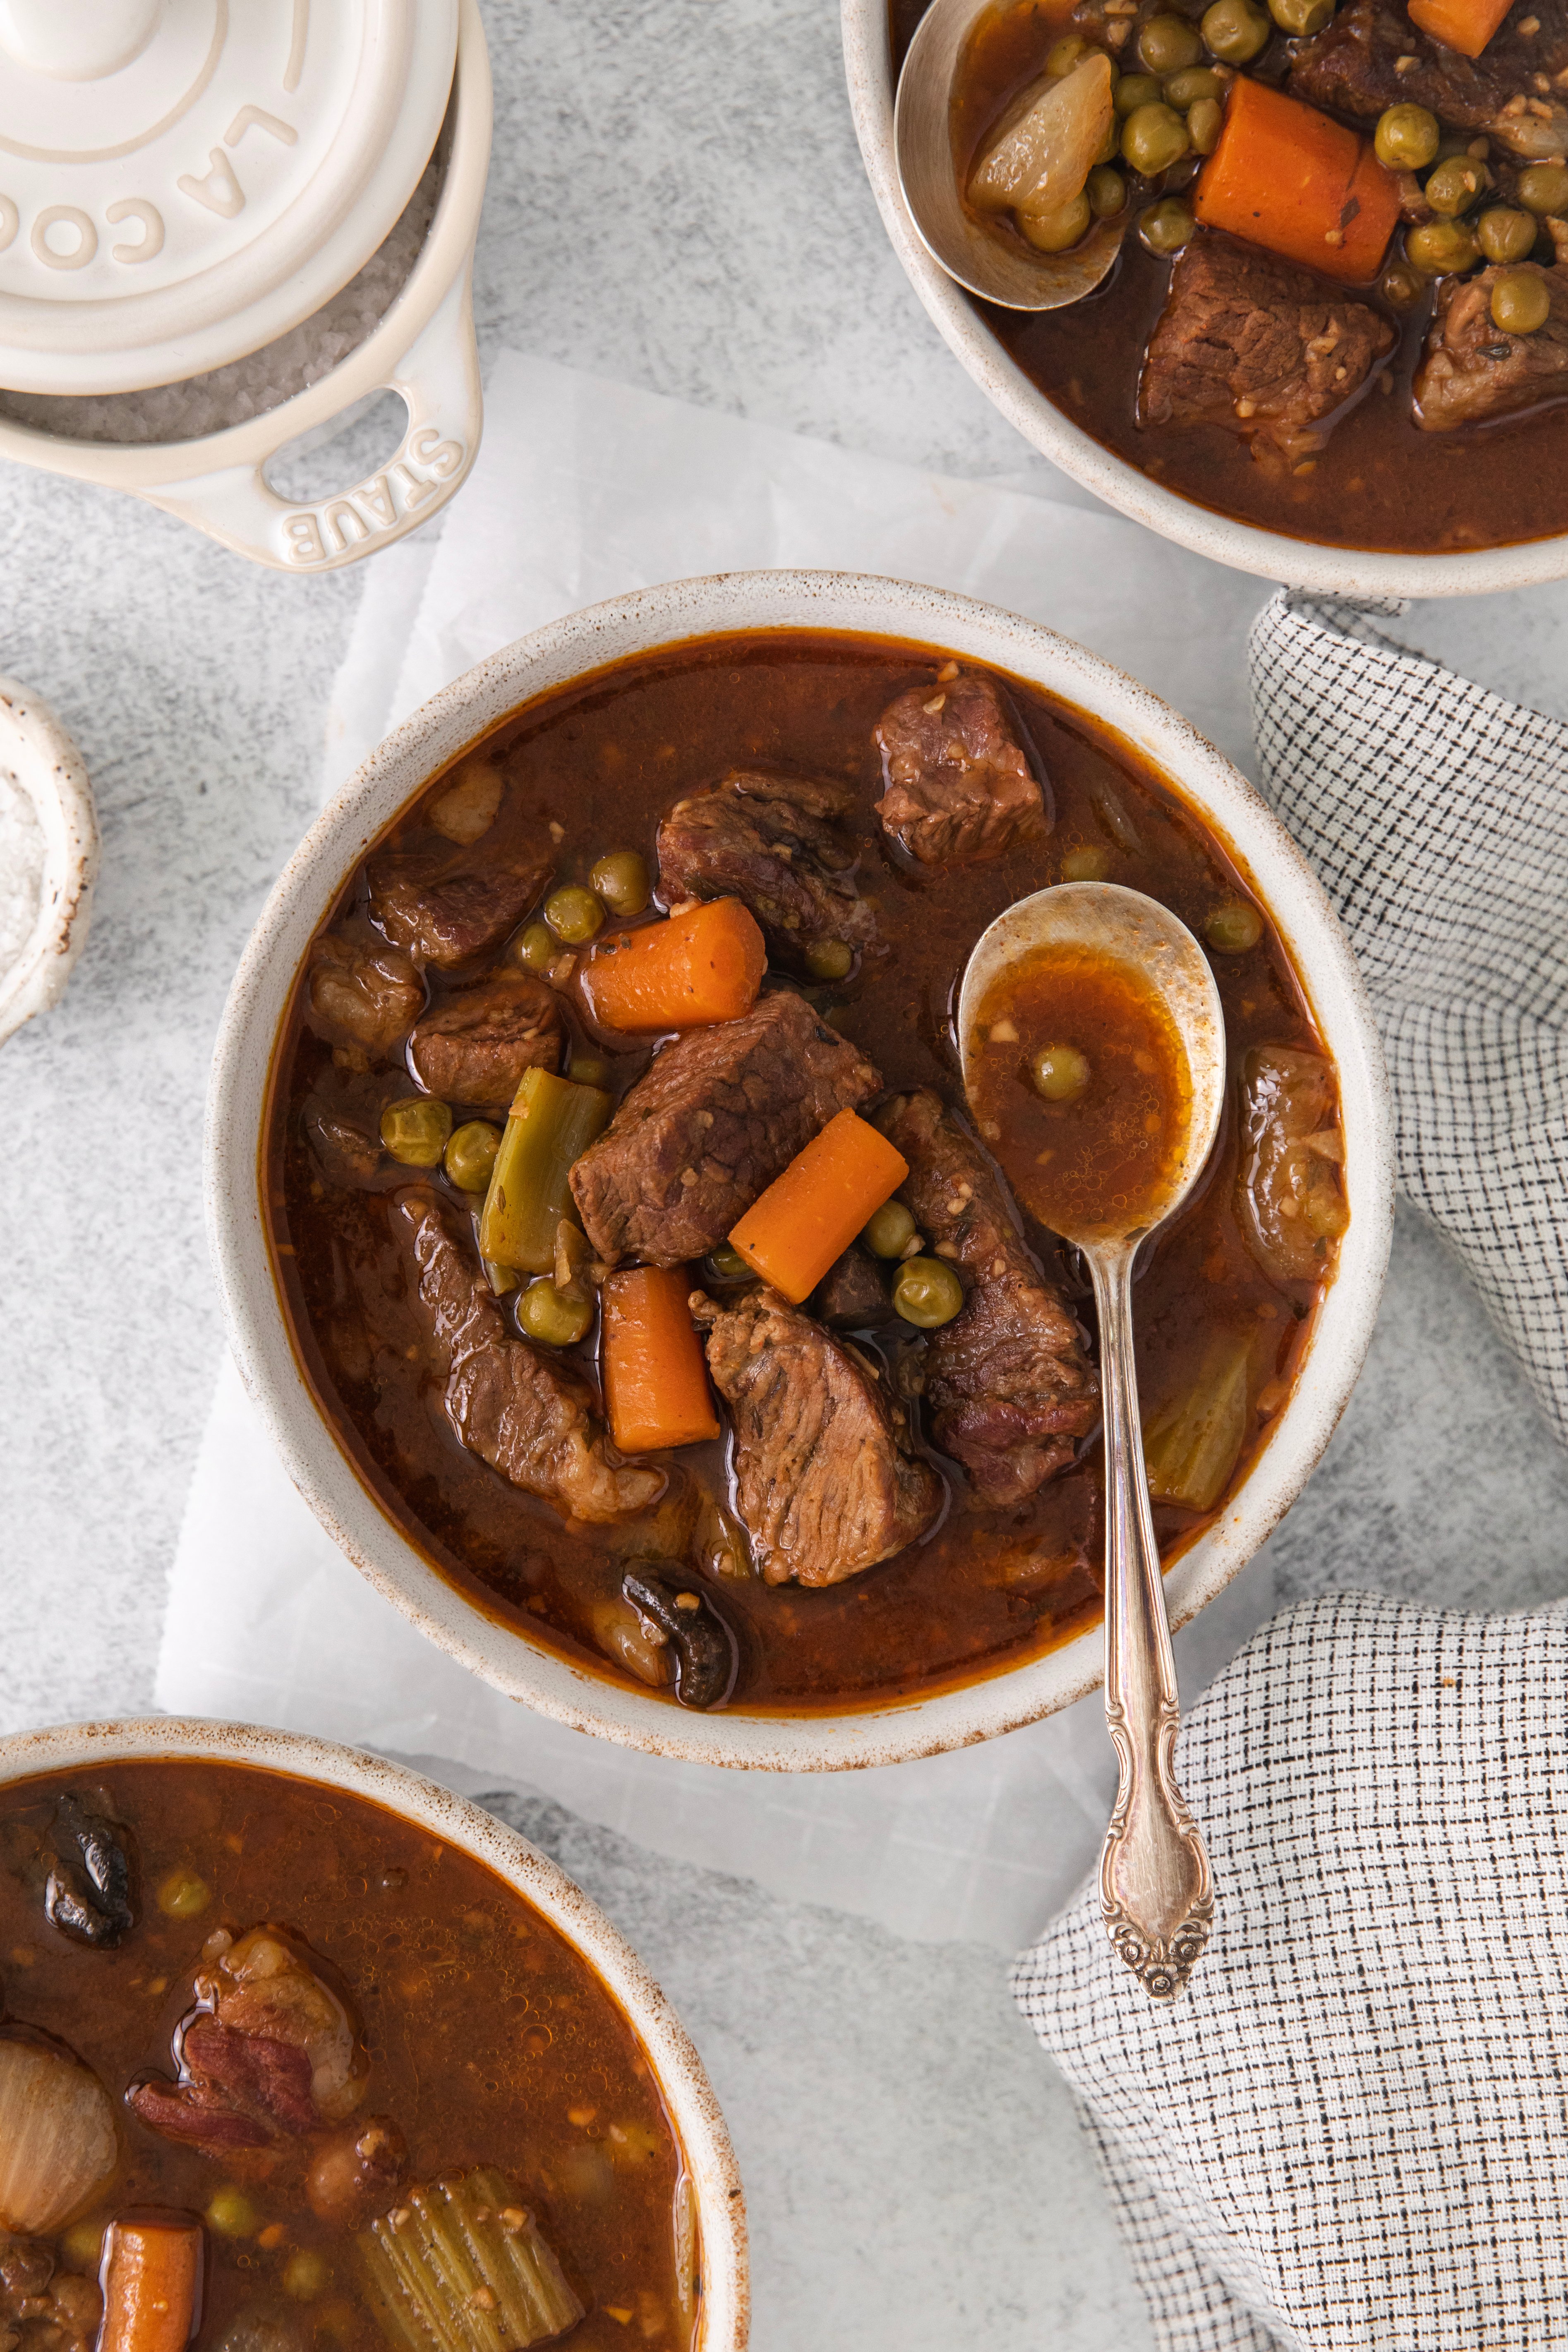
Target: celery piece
x,y
459,2266
1191,1447
551,1124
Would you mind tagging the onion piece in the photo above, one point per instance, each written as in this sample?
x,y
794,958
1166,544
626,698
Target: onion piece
x,y
57,2142
1043,158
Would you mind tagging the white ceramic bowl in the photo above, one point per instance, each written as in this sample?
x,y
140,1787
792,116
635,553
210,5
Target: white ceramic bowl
x,y
38,757
677,2068
395,772
869,67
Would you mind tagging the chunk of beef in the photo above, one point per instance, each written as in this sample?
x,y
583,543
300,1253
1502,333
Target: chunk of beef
x,y
474,1048
722,1112
1371,55
1266,350
527,1414
775,843
267,2053
42,2307
852,1294
346,1142
1289,1202
1470,370
444,904
1007,1383
826,1482
956,783
372,994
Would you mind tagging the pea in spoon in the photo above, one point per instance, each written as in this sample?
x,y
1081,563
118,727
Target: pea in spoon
x,y
1156,1893
982,262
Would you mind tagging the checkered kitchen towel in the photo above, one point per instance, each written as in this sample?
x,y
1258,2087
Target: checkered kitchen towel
x,y
1437,816
1351,2133
1352,2130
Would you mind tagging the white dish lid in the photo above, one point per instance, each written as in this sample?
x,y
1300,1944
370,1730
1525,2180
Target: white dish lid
x,y
182,181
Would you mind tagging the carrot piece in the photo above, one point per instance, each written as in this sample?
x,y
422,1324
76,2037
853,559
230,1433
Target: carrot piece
x,y
810,1215
151,2278
656,1377
703,965
1289,178
1463,25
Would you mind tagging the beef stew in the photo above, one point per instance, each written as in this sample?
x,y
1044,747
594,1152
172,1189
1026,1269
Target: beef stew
x,y
282,2072
739,1372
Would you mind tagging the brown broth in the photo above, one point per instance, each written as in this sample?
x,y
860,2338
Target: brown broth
x,y
1380,483
1096,1161
485,2030
605,759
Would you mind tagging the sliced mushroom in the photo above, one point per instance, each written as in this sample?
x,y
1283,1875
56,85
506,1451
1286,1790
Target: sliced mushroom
x,y
706,1657
90,1894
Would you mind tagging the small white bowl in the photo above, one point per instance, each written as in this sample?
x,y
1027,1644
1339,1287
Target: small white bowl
x,y
395,772
677,2069
39,759
1343,570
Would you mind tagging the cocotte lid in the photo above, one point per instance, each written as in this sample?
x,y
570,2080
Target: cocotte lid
x,y
182,181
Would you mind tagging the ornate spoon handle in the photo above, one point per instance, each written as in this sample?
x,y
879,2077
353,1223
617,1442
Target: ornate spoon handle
x,y
1155,1889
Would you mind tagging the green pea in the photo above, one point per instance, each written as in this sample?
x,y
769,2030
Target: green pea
x,y
890,1232
1047,232
621,880
82,2244
538,947
1059,1073
1234,926
1153,139
1166,44
1167,227
1236,30
1402,285
1106,191
590,1070
729,1264
1521,301
470,1154
1302,18
1504,234
414,1130
1453,185
547,1315
1543,189
1066,53
832,959
231,2213
573,914
1086,863
1406,137
1205,120
306,2275
1134,90
928,1293
1440,249
183,1895
1185,88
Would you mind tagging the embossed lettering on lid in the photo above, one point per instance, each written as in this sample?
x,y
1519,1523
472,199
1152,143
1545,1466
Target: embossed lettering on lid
x,y
182,181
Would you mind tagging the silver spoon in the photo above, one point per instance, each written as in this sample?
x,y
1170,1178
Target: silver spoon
x,y
1156,1893
984,263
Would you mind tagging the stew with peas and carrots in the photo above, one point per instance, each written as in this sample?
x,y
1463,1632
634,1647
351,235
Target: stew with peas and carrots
x,y
1339,305
281,2071
636,1238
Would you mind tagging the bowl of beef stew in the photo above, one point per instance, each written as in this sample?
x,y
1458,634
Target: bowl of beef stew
x,y
300,2053
1333,346
601,1227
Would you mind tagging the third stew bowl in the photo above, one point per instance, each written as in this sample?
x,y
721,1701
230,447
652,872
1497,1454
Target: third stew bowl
x,y
601,1229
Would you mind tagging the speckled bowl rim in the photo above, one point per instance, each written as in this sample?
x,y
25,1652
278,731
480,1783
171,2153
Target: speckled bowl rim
x,y
551,658
40,754
679,2071
1343,571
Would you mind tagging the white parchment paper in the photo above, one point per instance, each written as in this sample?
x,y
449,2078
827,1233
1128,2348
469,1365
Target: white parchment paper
x,y
585,488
